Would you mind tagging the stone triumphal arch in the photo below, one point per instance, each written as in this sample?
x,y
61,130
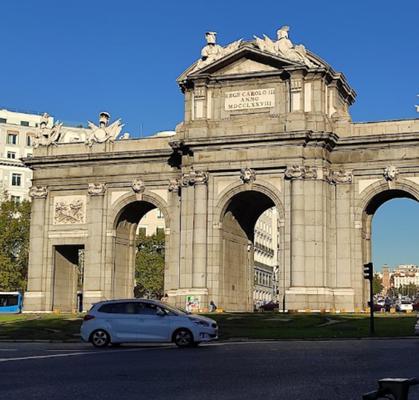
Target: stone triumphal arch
x,y
266,124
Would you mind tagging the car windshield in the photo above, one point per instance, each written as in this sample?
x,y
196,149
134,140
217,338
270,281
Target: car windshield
x,y
176,310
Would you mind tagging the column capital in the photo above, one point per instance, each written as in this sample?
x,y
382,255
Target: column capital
x,y
38,192
340,176
193,178
174,185
295,172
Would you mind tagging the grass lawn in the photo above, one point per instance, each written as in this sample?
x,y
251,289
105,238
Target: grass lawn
x,y
232,326
39,327
311,326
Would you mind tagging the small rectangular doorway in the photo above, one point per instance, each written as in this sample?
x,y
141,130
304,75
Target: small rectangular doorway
x,y
68,278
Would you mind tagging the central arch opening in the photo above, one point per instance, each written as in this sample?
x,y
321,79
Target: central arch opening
x,y
240,242
139,254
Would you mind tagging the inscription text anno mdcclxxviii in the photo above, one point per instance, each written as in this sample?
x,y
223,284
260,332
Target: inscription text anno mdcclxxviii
x,y
249,99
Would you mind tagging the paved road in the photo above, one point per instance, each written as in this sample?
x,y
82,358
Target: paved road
x,y
221,371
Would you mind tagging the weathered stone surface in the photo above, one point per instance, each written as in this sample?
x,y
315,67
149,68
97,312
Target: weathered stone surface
x,y
325,174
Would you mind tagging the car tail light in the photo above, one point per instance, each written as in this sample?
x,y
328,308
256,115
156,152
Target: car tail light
x,y
88,317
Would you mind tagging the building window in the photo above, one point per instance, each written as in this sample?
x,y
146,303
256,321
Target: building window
x,y
24,123
159,231
3,121
15,199
28,140
11,138
11,155
159,214
16,179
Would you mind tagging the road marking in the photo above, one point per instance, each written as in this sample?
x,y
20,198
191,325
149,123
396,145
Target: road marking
x,y
78,353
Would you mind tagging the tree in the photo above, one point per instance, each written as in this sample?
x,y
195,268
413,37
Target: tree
x,y
377,284
408,290
14,244
149,265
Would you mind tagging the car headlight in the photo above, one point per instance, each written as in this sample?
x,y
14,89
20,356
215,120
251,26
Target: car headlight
x,y
199,322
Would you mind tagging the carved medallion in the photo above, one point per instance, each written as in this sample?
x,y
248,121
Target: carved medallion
x,y
247,175
69,210
38,192
390,173
138,186
96,189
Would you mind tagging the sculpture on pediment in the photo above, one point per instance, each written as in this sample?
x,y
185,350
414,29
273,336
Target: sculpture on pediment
x,y
104,132
138,186
38,192
283,47
390,173
47,136
213,51
96,189
247,175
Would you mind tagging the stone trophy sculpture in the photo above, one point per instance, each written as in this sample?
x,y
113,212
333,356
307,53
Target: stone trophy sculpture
x,y
104,132
46,136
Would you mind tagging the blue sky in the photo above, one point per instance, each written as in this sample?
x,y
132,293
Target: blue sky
x,y
76,58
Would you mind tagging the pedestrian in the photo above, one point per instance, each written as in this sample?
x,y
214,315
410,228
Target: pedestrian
x,y
165,298
212,306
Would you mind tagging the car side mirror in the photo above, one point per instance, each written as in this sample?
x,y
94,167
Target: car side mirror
x,y
160,313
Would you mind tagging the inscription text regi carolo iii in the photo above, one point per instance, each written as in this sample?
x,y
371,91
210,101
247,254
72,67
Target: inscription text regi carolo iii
x,y
249,99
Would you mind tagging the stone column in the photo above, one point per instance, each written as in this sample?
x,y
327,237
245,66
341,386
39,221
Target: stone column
x,y
342,179
200,232
35,296
296,175
171,275
94,257
186,232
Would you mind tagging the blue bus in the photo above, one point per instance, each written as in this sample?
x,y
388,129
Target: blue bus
x,y
11,302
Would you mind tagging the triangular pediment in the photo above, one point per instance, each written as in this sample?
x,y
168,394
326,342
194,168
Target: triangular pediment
x,y
244,66
245,60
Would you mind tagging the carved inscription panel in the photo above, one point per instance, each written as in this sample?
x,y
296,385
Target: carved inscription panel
x,y
249,99
69,210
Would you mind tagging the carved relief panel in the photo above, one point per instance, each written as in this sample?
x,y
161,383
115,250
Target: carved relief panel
x,y
69,210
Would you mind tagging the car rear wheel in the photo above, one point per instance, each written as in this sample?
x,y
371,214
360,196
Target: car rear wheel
x,y
183,338
100,338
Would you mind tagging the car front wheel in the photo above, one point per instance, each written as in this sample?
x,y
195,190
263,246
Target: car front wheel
x,y
183,338
100,338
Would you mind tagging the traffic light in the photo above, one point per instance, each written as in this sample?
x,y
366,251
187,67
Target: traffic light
x,y
368,271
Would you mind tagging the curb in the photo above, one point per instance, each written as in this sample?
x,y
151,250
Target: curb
x,y
237,340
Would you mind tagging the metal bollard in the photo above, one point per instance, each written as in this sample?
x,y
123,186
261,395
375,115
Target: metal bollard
x,y
397,387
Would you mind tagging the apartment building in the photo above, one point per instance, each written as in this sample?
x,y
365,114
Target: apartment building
x,y
17,134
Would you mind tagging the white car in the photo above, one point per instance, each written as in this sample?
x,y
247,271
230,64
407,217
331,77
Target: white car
x,y
404,305
138,320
